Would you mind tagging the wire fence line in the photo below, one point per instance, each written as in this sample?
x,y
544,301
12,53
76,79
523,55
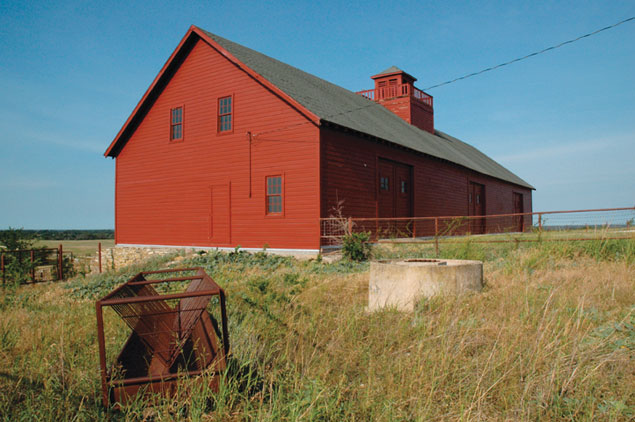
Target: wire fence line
x,y
518,227
33,265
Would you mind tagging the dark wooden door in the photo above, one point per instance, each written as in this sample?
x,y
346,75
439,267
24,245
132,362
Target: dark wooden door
x,y
395,197
395,189
386,194
519,208
477,207
403,194
220,217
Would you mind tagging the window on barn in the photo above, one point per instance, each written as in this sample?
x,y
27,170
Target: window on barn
x,y
176,124
404,186
274,195
225,114
384,183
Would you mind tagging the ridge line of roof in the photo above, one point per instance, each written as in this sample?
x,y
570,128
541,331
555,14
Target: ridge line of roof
x,y
340,106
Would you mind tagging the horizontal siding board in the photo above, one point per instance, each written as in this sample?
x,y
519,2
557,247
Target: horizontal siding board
x,y
163,192
348,173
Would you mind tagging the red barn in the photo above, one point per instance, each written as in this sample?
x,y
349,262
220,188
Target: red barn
x,y
230,147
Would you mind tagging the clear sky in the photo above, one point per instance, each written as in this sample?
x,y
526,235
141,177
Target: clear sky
x,y
71,73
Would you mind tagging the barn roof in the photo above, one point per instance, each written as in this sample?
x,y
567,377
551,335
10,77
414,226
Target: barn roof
x,y
339,106
342,107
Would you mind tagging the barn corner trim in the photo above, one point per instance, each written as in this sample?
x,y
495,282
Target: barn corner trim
x,y
170,67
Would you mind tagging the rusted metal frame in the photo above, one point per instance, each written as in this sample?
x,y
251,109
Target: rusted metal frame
x,y
165,280
223,318
102,353
162,378
200,276
29,250
60,263
142,299
472,240
487,216
32,266
171,270
137,277
590,210
436,236
135,316
99,254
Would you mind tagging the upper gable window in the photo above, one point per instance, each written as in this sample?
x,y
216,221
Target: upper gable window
x,y
176,124
225,114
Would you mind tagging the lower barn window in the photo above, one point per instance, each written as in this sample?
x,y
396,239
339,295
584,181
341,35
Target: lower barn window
x,y
384,183
274,195
176,124
404,186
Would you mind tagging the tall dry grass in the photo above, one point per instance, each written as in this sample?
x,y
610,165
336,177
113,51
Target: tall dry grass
x,y
551,337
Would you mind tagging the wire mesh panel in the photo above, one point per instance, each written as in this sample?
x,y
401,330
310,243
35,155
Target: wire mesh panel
x,y
172,333
556,225
31,265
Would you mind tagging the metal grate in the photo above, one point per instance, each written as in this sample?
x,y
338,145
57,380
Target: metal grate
x,y
172,333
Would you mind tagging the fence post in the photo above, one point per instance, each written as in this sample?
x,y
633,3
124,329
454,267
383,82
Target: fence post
x,y
99,253
436,236
32,266
60,271
540,222
350,226
2,265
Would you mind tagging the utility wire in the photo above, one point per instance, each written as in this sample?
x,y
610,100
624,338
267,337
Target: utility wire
x,y
462,77
531,55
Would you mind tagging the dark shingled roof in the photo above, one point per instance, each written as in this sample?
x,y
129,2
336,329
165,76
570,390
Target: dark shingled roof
x,y
334,104
391,69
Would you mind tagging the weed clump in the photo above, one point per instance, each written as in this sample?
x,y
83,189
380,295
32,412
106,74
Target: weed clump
x,y
356,246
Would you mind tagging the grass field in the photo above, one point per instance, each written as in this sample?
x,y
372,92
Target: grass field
x,y
551,337
78,247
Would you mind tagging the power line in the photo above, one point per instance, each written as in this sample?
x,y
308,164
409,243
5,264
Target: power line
x,y
531,55
460,78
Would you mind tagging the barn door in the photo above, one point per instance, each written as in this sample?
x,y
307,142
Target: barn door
x,y
394,197
519,208
476,201
403,181
220,216
386,190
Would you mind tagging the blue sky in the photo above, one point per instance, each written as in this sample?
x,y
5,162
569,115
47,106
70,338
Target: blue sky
x,y
71,73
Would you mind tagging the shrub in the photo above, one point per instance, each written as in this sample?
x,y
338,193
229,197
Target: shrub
x,y
356,246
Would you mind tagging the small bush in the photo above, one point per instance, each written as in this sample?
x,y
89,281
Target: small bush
x,y
356,247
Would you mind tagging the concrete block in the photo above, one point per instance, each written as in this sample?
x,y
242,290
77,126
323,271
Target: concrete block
x,y
402,283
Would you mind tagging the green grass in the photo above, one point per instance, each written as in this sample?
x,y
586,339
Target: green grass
x,y
551,337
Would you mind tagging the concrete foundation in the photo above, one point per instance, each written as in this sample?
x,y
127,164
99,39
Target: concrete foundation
x,y
402,283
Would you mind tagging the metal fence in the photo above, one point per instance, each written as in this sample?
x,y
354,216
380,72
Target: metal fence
x,y
44,264
545,225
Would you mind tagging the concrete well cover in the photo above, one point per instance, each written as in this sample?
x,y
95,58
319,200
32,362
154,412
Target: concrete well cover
x,y
401,283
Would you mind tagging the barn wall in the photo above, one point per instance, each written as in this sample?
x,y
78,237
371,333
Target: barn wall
x,y
164,189
439,188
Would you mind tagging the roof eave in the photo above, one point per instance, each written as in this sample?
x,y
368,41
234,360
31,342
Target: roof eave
x,y
117,144
377,138
110,152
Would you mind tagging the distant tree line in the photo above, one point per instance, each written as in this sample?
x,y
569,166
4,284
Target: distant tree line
x,y
62,234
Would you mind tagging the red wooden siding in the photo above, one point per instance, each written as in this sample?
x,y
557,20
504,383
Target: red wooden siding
x,y
196,192
349,172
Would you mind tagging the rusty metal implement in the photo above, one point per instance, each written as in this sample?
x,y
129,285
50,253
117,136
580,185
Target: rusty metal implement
x,y
173,335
